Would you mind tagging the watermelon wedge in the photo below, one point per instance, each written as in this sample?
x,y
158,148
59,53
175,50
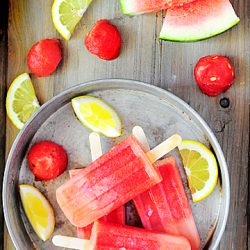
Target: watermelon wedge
x,y
135,7
198,20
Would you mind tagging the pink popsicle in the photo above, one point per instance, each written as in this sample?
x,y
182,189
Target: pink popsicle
x,y
107,183
165,206
108,236
116,216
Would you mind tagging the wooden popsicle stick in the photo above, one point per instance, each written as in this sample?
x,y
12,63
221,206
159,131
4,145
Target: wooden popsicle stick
x,y
95,145
70,242
164,147
95,148
141,137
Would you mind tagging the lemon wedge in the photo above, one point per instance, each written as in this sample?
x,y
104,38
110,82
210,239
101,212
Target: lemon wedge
x,y
97,115
66,14
201,168
38,211
21,100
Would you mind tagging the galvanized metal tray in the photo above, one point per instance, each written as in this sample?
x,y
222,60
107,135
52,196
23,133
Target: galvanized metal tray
x,y
159,113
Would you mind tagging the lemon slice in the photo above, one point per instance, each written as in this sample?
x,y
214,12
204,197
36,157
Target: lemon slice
x,y
66,14
21,101
201,168
38,210
97,115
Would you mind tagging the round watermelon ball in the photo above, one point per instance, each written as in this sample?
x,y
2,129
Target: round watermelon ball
x,y
44,57
104,40
47,160
214,74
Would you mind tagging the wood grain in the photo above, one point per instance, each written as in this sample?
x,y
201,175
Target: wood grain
x,y
3,73
164,64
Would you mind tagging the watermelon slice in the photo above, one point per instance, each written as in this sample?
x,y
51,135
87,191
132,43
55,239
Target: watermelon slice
x,y
135,7
198,20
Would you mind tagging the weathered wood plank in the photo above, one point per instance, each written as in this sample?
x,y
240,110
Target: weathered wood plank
x,y
3,71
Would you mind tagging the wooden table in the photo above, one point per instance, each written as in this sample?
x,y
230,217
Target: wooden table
x,y
164,64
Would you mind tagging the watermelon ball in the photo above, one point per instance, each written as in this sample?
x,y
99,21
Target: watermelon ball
x,y
44,57
104,40
47,160
214,74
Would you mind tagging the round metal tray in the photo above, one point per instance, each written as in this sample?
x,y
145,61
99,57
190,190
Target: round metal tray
x,y
159,112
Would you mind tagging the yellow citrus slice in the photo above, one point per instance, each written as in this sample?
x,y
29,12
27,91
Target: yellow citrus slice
x,y
38,210
201,168
97,115
66,14
21,100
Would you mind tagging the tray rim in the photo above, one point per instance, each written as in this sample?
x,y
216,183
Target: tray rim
x,y
141,86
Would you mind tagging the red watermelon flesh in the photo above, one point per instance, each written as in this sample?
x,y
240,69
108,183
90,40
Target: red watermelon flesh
x,y
134,7
198,20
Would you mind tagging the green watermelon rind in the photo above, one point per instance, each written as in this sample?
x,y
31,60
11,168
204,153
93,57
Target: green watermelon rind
x,y
192,39
190,26
124,7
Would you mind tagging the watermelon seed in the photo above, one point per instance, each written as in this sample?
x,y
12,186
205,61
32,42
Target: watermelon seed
x,y
212,79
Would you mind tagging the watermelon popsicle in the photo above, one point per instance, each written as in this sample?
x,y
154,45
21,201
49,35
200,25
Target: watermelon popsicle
x,y
113,179
111,236
116,216
165,206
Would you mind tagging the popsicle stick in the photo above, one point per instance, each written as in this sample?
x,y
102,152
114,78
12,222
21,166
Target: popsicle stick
x,y
163,148
95,148
70,242
141,137
95,145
